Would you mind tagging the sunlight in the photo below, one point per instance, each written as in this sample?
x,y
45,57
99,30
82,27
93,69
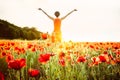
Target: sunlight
x,y
95,20
69,36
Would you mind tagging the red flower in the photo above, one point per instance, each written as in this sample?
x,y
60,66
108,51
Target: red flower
x,y
61,55
43,58
1,76
16,48
95,60
12,43
29,46
44,36
7,48
102,58
33,72
62,62
17,64
91,46
9,57
2,44
41,48
105,52
81,59
3,54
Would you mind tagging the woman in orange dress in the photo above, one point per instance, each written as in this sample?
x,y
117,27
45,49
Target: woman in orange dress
x,y
57,34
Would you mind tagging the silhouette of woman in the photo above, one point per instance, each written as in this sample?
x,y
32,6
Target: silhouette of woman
x,y
57,34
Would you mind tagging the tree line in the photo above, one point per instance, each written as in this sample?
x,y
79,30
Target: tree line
x,y
11,31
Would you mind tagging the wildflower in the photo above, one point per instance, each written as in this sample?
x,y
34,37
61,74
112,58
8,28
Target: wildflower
x,y
33,72
95,60
3,54
81,59
12,43
43,58
33,49
16,48
29,46
44,36
91,46
17,64
41,48
1,76
2,44
7,48
62,62
102,58
105,52
61,55
9,57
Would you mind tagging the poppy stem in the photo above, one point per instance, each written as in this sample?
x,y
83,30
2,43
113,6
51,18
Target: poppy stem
x,y
20,75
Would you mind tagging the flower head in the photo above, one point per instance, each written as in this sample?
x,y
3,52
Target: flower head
x,y
17,64
102,58
33,72
62,62
81,59
1,76
43,58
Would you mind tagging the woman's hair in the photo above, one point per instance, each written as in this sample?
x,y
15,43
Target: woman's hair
x,y
57,14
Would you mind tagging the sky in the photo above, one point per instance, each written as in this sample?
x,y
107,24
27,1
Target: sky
x,y
95,20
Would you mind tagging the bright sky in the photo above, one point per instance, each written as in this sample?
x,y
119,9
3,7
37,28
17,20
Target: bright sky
x,y
95,20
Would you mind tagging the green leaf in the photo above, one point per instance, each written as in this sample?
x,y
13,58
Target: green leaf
x,y
3,65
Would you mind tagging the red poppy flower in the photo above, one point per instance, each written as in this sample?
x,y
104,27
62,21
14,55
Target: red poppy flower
x,y
44,36
12,43
43,58
33,72
17,64
16,48
41,49
105,52
102,58
91,46
95,60
1,76
62,62
9,57
81,59
3,54
2,44
33,49
29,46
61,55
7,48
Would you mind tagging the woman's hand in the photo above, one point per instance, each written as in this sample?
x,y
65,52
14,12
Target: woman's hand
x,y
39,9
75,9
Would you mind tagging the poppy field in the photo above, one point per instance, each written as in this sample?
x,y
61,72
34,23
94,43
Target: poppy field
x,y
45,60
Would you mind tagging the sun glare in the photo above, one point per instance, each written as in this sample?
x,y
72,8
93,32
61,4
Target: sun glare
x,y
69,36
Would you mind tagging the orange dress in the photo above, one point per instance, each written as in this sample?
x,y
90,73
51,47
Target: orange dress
x,y
57,35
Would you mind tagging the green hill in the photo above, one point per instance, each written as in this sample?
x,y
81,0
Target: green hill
x,y
11,31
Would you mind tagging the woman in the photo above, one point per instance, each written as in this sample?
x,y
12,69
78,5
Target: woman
x,y
57,34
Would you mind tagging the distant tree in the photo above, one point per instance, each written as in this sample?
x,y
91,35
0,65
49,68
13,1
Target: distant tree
x,y
11,31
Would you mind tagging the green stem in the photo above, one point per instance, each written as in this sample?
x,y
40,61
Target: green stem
x,y
20,75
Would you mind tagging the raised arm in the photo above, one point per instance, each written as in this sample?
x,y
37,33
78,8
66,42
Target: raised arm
x,y
46,14
68,14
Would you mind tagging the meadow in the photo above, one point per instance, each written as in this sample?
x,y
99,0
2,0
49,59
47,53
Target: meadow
x,y
45,60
